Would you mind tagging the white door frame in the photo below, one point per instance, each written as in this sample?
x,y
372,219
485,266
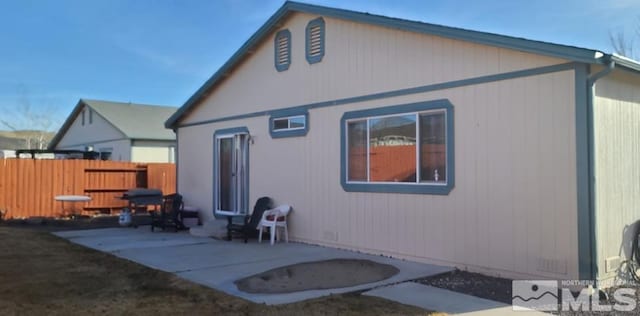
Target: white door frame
x,y
239,170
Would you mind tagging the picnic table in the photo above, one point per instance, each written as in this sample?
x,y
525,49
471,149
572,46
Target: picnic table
x,y
73,199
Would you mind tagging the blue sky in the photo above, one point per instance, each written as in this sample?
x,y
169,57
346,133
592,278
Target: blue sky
x,y
54,52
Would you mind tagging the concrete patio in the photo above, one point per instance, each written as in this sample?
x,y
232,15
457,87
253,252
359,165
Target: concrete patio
x,y
217,264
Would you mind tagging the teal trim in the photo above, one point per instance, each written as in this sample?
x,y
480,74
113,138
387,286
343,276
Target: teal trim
x,y
503,41
591,181
227,131
571,53
176,161
595,77
225,70
401,92
282,66
583,176
312,59
410,188
287,113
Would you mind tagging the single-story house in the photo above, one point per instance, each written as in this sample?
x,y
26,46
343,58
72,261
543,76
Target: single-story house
x,y
491,153
118,131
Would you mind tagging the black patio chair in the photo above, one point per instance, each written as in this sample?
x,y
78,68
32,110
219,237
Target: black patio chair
x,y
248,227
169,213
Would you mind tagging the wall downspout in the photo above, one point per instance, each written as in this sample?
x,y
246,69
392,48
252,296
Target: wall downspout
x,y
591,85
176,156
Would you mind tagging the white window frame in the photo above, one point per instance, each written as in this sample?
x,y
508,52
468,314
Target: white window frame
x,y
418,169
289,128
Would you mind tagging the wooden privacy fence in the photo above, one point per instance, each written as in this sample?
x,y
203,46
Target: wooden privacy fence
x,y
28,186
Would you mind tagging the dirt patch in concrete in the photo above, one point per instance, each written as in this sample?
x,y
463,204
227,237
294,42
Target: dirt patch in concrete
x,y
317,275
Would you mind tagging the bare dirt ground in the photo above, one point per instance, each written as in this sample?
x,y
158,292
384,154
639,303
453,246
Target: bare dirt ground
x,y
41,274
325,274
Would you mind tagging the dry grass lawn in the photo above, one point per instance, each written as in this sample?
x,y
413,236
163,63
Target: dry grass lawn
x,y
41,274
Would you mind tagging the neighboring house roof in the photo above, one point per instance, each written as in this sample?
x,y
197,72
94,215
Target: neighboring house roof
x,y
537,47
135,121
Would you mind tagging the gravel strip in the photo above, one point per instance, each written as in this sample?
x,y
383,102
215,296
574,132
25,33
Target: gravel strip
x,y
491,288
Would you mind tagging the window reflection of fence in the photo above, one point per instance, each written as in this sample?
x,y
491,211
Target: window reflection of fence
x,y
28,186
397,163
392,140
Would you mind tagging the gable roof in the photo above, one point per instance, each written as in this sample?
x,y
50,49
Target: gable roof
x,y
135,121
572,53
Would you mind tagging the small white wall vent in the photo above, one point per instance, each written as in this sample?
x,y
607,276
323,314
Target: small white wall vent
x,y
552,265
611,264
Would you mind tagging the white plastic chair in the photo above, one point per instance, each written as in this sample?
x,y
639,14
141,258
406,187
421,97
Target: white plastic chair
x,y
274,219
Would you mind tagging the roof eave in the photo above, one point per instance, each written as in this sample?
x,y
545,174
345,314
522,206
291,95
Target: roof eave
x,y
625,62
554,50
229,65
571,53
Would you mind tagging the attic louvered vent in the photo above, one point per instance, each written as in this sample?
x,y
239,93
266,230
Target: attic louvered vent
x,y
315,41
282,44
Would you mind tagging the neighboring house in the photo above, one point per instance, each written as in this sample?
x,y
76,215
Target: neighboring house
x,y
435,144
7,153
118,131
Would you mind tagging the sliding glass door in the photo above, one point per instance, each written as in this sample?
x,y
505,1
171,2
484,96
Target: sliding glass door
x,y
231,174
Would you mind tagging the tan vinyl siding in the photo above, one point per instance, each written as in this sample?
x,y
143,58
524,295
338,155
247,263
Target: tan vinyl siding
x,y
195,161
512,211
369,59
617,171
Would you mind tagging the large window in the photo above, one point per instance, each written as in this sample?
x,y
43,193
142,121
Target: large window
x,y
406,149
